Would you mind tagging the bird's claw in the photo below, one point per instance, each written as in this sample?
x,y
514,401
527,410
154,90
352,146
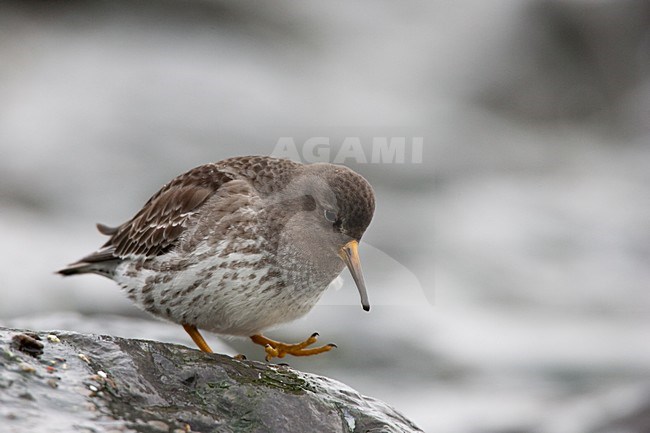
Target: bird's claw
x,y
276,349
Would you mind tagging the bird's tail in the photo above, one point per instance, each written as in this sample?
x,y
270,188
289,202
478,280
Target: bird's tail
x,y
76,268
101,262
105,269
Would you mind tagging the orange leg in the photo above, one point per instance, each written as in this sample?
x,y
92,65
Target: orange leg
x,y
198,338
276,349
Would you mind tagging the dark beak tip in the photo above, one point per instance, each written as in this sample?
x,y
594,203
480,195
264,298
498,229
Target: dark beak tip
x,y
366,307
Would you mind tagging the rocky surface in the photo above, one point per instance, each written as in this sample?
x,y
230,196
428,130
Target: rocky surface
x,y
63,381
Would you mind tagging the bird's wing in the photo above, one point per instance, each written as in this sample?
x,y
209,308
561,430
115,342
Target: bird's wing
x,y
162,220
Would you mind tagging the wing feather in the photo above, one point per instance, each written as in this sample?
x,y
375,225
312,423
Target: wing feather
x,y
162,220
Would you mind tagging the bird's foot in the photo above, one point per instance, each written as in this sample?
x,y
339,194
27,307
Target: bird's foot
x,y
197,337
276,349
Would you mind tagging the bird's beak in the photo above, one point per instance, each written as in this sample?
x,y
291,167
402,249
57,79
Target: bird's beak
x,y
349,253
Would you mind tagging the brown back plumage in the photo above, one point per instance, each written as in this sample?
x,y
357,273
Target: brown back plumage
x,y
157,227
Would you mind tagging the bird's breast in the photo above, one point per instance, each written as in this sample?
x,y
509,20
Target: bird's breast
x,y
224,288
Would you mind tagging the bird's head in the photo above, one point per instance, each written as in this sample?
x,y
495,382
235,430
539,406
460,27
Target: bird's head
x,y
333,208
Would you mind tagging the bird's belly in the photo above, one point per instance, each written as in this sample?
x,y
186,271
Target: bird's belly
x,y
234,295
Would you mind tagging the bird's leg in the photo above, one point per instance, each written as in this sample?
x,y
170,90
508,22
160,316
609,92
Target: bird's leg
x,y
198,338
276,349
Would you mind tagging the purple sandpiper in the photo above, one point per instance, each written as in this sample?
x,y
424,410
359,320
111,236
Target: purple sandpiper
x,y
239,246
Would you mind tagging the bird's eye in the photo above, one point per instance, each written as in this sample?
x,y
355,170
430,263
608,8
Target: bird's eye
x,y
330,216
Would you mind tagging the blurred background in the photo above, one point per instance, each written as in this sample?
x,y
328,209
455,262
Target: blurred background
x,y
508,269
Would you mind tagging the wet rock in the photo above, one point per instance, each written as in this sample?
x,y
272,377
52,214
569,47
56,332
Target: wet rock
x,y
104,384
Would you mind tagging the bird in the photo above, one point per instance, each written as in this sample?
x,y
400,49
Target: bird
x,y
240,246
